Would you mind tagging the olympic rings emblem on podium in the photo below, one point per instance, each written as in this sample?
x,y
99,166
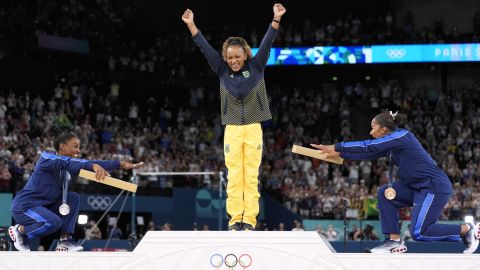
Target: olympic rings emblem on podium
x,y
231,260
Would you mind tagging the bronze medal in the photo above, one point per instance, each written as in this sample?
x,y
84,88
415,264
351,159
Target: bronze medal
x,y
390,193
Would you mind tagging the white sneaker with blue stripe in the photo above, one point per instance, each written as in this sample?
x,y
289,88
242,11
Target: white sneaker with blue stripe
x,y
68,245
471,239
19,239
390,246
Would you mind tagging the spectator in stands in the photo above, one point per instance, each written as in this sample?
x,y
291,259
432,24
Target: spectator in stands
x,y
406,234
297,226
5,175
92,231
369,233
167,227
3,108
115,232
244,105
355,233
151,226
331,234
320,230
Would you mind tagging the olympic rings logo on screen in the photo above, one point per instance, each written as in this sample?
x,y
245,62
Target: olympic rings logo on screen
x,y
99,202
243,261
396,53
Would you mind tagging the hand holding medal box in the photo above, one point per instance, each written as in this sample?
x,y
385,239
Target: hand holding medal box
x,y
297,149
109,181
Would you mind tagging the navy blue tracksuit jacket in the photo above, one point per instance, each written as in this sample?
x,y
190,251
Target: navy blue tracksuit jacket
x,y
421,184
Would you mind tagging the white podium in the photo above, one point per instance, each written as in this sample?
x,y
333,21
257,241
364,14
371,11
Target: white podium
x,y
182,250
234,250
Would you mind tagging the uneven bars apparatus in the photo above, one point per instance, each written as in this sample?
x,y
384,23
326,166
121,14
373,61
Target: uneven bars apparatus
x,y
114,182
220,189
315,153
132,187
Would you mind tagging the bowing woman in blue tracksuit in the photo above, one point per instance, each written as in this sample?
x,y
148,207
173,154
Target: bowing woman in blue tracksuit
x,y
35,208
421,184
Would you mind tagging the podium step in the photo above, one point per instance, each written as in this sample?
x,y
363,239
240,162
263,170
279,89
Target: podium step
x,y
208,250
242,249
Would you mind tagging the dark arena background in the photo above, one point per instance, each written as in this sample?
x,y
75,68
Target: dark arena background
x,y
128,79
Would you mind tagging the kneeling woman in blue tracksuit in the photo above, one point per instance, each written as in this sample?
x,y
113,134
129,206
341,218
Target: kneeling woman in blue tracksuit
x,y
421,184
35,208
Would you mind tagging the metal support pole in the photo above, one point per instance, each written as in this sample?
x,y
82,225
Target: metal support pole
x,y
220,201
133,232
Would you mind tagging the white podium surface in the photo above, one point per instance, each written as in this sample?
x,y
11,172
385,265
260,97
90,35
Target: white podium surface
x,y
237,250
199,250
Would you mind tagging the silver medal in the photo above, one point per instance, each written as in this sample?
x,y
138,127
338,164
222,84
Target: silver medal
x,y
64,209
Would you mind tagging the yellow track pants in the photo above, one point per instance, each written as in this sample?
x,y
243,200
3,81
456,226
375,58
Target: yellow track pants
x,y
243,155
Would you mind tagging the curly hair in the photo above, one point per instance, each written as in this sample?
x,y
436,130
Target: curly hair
x,y
60,136
390,120
236,41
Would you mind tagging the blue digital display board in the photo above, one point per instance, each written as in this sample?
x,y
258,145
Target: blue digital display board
x,y
324,55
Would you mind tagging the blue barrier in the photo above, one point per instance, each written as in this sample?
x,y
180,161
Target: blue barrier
x,y
6,204
413,247
99,245
352,246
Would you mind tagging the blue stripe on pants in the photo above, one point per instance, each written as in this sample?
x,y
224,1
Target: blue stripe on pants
x,y
43,224
40,221
426,211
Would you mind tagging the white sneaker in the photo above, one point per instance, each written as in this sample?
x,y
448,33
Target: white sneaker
x,y
390,246
19,239
68,246
471,239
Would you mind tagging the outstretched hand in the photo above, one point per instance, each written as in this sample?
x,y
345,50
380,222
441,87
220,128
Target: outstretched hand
x,y
128,165
329,150
100,172
187,16
278,10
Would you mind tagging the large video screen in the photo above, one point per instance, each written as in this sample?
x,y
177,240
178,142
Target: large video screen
x,y
324,55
